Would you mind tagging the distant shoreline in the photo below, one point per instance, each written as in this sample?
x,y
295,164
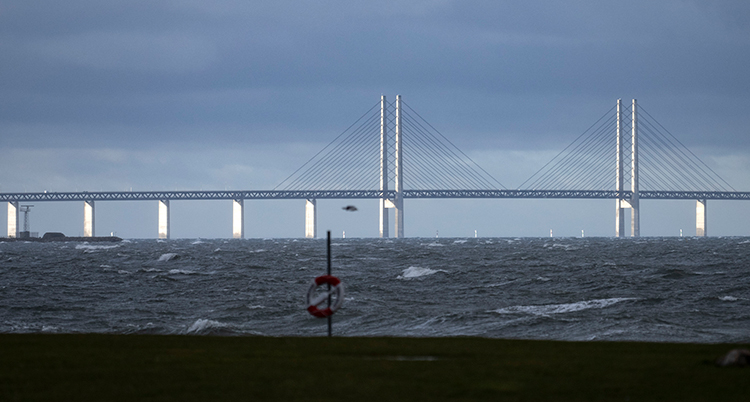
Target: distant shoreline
x,y
112,239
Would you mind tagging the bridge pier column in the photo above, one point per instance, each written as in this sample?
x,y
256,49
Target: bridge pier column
x,y
635,217
13,216
163,219
619,219
383,208
399,215
238,219
701,218
311,219
88,219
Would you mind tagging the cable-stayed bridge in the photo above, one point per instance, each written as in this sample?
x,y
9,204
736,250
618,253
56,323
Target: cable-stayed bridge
x,y
391,153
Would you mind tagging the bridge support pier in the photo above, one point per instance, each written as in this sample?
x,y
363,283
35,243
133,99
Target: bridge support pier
x,y
701,218
311,219
88,219
13,216
163,219
238,219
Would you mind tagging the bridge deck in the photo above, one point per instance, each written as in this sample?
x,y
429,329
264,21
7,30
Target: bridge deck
x,y
363,194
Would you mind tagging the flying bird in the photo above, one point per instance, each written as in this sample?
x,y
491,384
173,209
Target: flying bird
x,y
350,208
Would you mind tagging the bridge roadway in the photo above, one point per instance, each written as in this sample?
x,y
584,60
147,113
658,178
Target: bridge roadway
x,y
363,194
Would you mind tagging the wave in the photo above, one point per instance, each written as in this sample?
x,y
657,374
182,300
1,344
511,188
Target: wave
x,y
415,272
92,248
549,309
204,326
168,257
183,272
566,247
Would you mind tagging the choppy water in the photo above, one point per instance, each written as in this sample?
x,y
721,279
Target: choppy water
x,y
654,289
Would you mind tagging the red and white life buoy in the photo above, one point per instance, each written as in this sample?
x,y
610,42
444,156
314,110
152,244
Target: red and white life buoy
x,y
337,290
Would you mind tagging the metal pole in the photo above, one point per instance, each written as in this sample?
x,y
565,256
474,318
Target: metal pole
x,y
328,272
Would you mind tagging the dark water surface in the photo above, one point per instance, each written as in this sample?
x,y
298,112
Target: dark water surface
x,y
650,289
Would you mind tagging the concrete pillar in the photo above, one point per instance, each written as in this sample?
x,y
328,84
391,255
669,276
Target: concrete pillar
x,y
620,179
311,219
163,219
238,219
383,168
88,219
635,216
13,215
701,218
399,201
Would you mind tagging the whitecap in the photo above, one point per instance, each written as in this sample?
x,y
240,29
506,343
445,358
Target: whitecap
x,y
92,248
197,242
202,325
549,309
728,298
415,272
182,271
149,270
168,257
460,241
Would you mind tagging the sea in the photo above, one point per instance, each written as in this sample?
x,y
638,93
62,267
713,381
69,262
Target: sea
x,y
578,289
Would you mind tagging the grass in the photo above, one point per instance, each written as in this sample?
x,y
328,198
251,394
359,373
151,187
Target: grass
x,y
89,367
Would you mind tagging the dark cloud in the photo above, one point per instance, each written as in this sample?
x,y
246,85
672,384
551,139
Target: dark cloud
x,y
514,75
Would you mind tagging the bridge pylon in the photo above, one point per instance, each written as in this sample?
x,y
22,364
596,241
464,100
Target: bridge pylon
x,y
384,203
627,156
397,202
399,197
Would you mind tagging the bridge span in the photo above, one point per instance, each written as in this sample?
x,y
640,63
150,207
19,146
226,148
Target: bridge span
x,y
609,154
238,197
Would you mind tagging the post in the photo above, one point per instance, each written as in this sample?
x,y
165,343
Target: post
x,y
13,216
383,168
701,218
619,210
635,219
311,219
238,218
163,219
399,201
328,272
88,219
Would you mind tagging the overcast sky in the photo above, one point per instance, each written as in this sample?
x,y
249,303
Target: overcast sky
x,y
236,94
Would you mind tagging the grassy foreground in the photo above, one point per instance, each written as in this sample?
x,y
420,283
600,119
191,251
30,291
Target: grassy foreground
x,y
204,368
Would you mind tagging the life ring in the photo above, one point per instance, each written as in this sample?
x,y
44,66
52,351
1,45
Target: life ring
x,y
337,290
